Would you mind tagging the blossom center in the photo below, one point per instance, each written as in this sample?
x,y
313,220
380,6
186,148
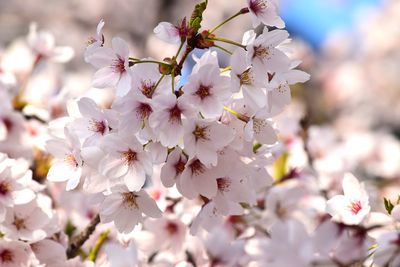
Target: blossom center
x,y
6,255
172,228
129,199
203,91
147,88
179,167
5,188
98,126
143,111
200,133
261,52
355,207
224,184
19,223
246,78
119,65
71,160
197,167
129,156
257,6
175,114
91,40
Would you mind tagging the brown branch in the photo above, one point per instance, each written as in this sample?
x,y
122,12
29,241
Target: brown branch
x,y
77,242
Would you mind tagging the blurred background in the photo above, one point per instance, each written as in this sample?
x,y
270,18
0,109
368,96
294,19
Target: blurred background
x,y
350,48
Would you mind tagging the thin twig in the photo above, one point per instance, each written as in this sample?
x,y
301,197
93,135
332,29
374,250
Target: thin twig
x,y
77,242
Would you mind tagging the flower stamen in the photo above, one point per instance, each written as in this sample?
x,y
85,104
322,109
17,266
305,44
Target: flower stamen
x,y
98,126
203,92
355,207
200,133
129,156
246,78
118,65
129,199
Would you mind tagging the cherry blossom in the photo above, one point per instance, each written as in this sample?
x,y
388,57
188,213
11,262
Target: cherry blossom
x,y
135,110
43,45
68,162
209,96
263,51
204,138
261,130
173,168
170,232
233,189
27,221
287,238
171,33
353,206
112,65
144,80
278,90
94,123
125,160
196,179
49,252
95,41
213,163
264,11
11,123
221,250
168,119
251,80
208,219
15,253
13,192
126,208
387,252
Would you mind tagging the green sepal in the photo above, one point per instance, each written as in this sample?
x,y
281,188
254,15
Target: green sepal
x,y
197,16
388,205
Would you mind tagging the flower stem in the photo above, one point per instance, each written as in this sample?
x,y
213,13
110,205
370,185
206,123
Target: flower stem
x,y
155,86
77,242
134,59
179,49
242,11
238,115
173,82
223,49
97,246
224,40
148,61
187,52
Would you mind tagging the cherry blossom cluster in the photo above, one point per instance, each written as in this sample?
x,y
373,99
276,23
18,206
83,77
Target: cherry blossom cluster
x,y
203,135
214,169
